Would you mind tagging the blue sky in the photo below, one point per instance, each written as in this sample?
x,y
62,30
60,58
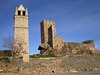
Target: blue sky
x,y
76,20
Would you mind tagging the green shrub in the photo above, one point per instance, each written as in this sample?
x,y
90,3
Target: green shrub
x,y
6,59
41,56
6,52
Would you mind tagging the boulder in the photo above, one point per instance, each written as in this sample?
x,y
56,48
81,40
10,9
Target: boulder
x,y
43,46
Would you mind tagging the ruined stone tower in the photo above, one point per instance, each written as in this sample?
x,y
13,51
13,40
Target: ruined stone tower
x,y
48,34
21,33
52,45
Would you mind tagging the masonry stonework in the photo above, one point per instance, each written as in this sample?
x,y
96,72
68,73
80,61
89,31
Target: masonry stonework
x,y
50,44
89,42
48,34
21,34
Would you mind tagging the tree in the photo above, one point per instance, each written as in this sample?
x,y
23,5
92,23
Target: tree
x,y
19,49
8,42
14,44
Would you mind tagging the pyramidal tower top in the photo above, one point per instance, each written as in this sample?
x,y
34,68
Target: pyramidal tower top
x,y
21,7
21,11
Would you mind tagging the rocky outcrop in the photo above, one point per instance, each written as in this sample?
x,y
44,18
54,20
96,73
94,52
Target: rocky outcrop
x,y
44,47
55,52
69,48
79,49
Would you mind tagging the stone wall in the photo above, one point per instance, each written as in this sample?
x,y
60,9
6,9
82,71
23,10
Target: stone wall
x,y
81,45
59,42
89,42
75,44
79,48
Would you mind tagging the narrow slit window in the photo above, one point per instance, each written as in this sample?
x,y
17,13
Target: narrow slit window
x,y
19,12
24,13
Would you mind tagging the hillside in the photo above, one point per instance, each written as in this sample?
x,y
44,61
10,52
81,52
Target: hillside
x,y
63,64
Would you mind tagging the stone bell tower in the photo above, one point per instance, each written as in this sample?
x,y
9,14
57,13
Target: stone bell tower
x,y
21,34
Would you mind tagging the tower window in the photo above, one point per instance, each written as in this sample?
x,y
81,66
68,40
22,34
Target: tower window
x,y
19,12
24,13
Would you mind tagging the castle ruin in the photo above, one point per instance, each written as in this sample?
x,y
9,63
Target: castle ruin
x,y
48,34
21,34
50,43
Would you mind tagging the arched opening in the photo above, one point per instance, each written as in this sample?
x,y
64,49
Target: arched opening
x,y
19,12
23,13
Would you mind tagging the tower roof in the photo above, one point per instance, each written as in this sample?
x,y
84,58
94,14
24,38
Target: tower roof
x,y
21,7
